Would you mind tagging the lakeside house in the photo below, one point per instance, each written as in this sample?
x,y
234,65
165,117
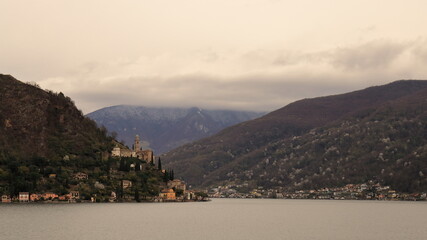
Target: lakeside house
x,y
63,197
189,195
113,197
75,195
167,194
35,197
24,197
49,196
6,199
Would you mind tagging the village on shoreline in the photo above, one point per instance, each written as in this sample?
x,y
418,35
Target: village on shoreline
x,y
135,161
365,191
122,183
176,192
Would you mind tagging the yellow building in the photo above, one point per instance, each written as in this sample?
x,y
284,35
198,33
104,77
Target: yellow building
x,y
49,196
168,194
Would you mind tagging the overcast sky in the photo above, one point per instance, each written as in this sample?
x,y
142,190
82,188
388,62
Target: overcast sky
x,y
219,54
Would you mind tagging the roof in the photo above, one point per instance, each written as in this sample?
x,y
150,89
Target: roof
x,y
169,190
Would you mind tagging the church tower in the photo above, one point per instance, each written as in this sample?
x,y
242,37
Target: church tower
x,y
136,146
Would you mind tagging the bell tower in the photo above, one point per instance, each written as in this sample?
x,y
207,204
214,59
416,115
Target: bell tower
x,y
136,146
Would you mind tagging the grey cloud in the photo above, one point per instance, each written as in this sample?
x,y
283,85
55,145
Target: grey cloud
x,y
420,51
287,58
271,85
362,57
279,58
259,93
142,54
371,55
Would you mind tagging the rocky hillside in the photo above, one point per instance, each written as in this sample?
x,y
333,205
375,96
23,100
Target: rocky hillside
x,y
372,133
163,129
45,141
35,122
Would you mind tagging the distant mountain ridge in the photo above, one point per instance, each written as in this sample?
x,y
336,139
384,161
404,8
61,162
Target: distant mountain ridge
x,y
245,152
163,129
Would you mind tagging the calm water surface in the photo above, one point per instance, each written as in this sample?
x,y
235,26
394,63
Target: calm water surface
x,y
219,219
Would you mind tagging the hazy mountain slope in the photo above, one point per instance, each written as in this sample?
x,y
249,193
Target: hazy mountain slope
x,y
163,129
239,148
386,143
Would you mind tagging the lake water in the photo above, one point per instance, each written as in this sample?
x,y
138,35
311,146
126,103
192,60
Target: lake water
x,y
244,219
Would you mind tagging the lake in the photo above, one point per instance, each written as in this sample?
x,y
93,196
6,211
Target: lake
x,y
244,219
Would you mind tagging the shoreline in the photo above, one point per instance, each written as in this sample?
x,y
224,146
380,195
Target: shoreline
x,y
88,201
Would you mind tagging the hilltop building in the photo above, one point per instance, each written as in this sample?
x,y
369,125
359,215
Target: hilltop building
x,y
137,152
80,176
126,184
177,185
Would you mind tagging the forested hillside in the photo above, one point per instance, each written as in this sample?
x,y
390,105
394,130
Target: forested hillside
x,y
327,141
47,145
